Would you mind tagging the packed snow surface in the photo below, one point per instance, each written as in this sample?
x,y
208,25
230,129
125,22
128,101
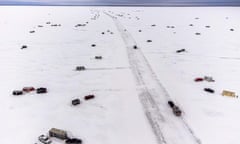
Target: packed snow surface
x,y
132,86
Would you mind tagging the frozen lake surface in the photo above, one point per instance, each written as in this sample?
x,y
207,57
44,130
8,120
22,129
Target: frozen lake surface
x,y
131,86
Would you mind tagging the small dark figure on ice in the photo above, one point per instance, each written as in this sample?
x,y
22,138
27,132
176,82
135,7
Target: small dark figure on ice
x,y
181,50
98,57
209,90
135,47
24,47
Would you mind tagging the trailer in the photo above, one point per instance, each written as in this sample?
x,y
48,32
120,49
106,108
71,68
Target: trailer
x,y
58,133
176,111
229,93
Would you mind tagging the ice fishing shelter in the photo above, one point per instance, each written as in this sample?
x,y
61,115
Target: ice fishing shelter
x,y
228,93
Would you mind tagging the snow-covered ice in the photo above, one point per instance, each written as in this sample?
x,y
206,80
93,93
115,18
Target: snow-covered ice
x,y
132,86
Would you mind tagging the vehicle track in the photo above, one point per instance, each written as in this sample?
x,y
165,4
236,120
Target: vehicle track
x,y
154,97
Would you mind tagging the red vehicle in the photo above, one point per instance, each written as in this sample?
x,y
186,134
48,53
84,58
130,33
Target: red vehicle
x,y
198,79
28,89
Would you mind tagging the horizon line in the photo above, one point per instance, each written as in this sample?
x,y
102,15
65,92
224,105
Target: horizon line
x,y
151,4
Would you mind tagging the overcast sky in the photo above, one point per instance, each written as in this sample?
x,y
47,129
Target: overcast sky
x,y
97,2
